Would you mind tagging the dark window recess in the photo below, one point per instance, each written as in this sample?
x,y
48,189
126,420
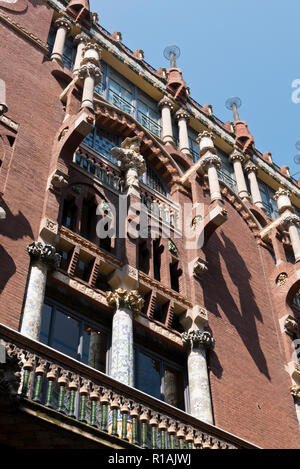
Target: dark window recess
x,y
105,243
143,257
176,324
74,337
102,283
157,250
160,312
83,270
65,258
174,276
69,214
88,219
289,255
159,378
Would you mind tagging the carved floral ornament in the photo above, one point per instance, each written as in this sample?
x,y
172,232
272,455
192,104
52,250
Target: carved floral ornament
x,y
198,338
295,390
237,155
130,299
290,219
63,23
45,253
281,192
129,155
166,102
281,279
250,167
210,160
90,70
200,268
290,325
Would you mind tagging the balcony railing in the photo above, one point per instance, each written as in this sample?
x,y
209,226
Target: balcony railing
x,y
69,387
149,123
96,168
228,180
120,103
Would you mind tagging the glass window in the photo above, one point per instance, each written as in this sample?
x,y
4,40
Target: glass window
x,y
194,147
267,195
159,378
226,173
120,92
148,114
74,337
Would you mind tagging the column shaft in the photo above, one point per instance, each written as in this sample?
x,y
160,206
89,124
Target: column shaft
x,y
240,179
32,313
214,185
59,44
167,130
200,400
88,92
183,136
295,240
78,59
255,192
122,347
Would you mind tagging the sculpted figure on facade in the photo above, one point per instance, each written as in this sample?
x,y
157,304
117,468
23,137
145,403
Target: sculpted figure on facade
x,y
132,162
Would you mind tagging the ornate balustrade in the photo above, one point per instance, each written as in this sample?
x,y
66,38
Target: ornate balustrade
x,y
99,169
88,396
160,208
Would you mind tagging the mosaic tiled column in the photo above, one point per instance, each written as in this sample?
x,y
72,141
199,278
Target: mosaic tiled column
x,y
63,28
43,257
127,303
237,158
200,400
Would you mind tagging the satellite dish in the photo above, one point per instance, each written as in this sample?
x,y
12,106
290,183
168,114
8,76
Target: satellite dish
x,y
234,100
172,53
297,158
297,145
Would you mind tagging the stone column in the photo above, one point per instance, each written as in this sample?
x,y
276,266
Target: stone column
x,y
128,304
251,170
63,28
210,163
200,400
237,158
167,107
295,392
283,199
183,117
132,162
90,72
81,41
43,258
291,222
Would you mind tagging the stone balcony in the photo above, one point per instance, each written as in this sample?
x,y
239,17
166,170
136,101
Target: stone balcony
x,y
48,390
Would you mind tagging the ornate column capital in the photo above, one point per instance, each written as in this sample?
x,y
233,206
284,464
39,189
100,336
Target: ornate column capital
x,y
131,159
290,219
295,390
91,54
63,23
45,253
90,70
282,192
182,114
81,37
205,141
196,338
210,159
250,167
290,325
165,101
237,155
130,299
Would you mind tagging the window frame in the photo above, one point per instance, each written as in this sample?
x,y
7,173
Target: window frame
x,y
83,320
163,361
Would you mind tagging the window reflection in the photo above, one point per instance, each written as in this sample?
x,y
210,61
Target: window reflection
x,y
74,337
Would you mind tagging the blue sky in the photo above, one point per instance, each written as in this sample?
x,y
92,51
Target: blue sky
x,y
232,47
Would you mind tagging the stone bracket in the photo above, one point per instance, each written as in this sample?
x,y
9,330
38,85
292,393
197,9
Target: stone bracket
x,y
194,318
127,277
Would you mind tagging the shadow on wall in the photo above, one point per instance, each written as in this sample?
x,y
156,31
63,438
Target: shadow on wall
x,y
241,316
14,227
